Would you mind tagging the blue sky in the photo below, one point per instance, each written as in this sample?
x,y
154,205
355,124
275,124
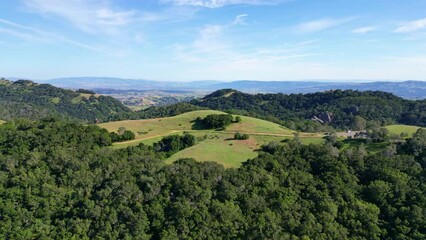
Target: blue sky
x,y
183,40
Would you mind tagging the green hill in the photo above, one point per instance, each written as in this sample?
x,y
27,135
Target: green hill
x,y
337,108
213,145
26,99
398,129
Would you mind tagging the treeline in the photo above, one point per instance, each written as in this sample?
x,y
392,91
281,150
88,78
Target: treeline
x,y
26,99
344,108
59,181
156,112
174,143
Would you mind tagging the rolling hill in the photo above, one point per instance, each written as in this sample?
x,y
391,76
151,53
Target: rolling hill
x,y
339,109
398,129
213,145
26,99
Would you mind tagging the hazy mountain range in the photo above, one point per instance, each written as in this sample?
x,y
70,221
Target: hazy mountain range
x,y
406,89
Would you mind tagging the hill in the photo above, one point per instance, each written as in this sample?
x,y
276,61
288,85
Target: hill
x,y
339,109
406,89
59,180
26,99
214,145
398,129
125,84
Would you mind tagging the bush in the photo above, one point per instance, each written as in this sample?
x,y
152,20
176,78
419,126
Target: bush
x,y
122,135
239,136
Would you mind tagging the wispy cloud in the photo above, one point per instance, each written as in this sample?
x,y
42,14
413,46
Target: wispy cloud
x,y
240,19
214,48
221,3
321,24
35,34
88,15
411,26
364,30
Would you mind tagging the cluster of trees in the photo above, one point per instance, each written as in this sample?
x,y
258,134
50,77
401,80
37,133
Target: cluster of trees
x,y
175,143
350,109
26,99
241,136
122,135
59,181
216,121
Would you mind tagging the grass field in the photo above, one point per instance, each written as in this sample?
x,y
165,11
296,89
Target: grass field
x,y
398,129
1,121
218,146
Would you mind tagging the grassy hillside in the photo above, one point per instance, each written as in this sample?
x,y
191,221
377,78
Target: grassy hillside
x,y
398,129
26,99
213,145
151,128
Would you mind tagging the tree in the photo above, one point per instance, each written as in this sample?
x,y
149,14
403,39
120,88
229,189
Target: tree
x,y
359,123
239,136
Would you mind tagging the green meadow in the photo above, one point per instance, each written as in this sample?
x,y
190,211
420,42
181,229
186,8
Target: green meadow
x,y
398,129
212,145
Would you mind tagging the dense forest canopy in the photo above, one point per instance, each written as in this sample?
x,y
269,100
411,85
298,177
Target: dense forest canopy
x,y
26,99
338,109
59,180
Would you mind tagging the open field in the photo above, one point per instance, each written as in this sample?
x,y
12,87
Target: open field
x,y
398,129
214,145
1,121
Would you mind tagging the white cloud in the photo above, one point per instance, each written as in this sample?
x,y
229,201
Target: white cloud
x,y
221,3
93,16
412,26
34,34
240,19
320,25
364,30
214,51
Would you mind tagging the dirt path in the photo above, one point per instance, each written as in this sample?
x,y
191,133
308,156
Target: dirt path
x,y
220,132
150,137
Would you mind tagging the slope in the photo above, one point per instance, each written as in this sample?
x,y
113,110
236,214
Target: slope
x,y
27,99
340,108
212,145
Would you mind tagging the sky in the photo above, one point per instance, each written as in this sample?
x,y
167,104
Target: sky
x,y
185,40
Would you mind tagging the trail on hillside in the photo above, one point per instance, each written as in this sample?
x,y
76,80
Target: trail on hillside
x,y
221,132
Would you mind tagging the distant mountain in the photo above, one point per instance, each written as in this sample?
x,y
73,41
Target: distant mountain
x,y
126,84
26,99
407,89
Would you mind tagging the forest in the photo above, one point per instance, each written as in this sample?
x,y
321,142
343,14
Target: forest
x,y
59,180
344,108
321,111
26,99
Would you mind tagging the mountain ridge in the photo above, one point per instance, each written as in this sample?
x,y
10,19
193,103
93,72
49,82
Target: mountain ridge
x,y
410,89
